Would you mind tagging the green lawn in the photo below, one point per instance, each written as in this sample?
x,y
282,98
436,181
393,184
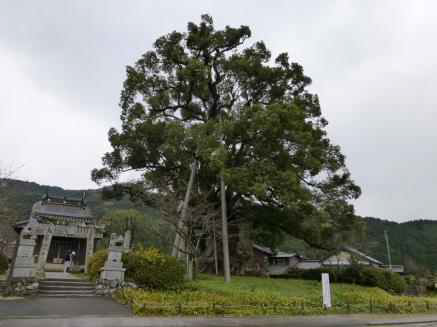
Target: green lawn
x,y
265,296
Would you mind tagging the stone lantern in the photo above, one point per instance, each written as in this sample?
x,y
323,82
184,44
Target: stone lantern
x,y
113,269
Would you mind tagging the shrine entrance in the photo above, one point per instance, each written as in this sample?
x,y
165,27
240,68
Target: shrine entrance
x,y
61,246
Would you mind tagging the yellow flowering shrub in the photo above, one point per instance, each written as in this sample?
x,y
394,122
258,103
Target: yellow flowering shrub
x,y
96,263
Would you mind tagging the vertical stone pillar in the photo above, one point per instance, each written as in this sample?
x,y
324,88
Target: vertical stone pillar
x,y
24,266
113,269
45,247
127,240
89,246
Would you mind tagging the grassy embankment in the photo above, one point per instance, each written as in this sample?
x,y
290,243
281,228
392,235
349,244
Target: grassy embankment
x,y
246,296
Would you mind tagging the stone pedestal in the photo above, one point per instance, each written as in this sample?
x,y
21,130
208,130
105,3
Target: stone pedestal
x,y
24,266
113,269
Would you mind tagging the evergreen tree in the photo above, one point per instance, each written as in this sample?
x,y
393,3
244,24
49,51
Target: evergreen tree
x,y
207,96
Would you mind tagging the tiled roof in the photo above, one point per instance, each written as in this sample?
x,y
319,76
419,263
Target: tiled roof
x,y
44,208
362,255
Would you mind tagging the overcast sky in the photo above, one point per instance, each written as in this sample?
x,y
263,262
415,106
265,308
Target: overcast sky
x,y
373,64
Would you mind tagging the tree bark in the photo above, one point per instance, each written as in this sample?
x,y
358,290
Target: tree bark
x,y
180,243
225,240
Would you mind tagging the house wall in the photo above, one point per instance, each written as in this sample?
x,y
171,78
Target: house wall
x,y
344,258
306,265
340,259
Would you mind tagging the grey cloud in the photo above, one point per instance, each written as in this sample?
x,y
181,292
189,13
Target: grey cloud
x,y
372,63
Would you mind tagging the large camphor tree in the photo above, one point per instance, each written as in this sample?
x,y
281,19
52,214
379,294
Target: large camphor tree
x,y
208,97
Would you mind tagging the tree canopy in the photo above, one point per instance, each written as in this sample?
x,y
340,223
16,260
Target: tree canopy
x,y
205,95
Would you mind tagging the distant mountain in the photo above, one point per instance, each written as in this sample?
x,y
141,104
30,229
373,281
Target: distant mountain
x,y
19,196
413,243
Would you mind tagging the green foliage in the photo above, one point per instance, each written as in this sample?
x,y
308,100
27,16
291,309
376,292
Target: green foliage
x,y
393,282
249,296
365,276
19,197
204,95
146,228
151,269
412,243
96,263
3,264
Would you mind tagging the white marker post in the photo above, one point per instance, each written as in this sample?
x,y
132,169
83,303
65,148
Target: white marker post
x,y
326,290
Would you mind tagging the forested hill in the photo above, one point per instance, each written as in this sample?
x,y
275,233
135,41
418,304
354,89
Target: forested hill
x,y
413,244
19,196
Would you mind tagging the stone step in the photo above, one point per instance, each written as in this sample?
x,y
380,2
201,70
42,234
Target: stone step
x,y
70,280
63,287
67,292
66,283
61,295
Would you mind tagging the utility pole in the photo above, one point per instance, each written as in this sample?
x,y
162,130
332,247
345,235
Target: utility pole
x,y
225,239
387,244
215,246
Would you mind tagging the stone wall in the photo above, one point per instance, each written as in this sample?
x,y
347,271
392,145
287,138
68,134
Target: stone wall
x,y
107,288
21,287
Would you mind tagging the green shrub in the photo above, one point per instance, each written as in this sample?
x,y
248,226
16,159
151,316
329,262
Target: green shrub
x,y
96,263
3,263
372,277
312,274
150,269
393,282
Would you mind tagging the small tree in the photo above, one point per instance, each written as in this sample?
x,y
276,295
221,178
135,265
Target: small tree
x,y
7,217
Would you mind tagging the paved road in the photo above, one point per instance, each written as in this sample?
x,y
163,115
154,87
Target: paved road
x,y
61,307
183,322
334,321
104,312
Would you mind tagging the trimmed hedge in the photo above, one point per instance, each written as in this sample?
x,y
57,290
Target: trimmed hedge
x,y
151,269
148,268
4,263
365,276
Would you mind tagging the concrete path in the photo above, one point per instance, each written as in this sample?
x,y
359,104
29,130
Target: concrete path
x,y
59,275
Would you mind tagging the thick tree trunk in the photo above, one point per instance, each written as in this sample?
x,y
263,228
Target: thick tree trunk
x,y
225,240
